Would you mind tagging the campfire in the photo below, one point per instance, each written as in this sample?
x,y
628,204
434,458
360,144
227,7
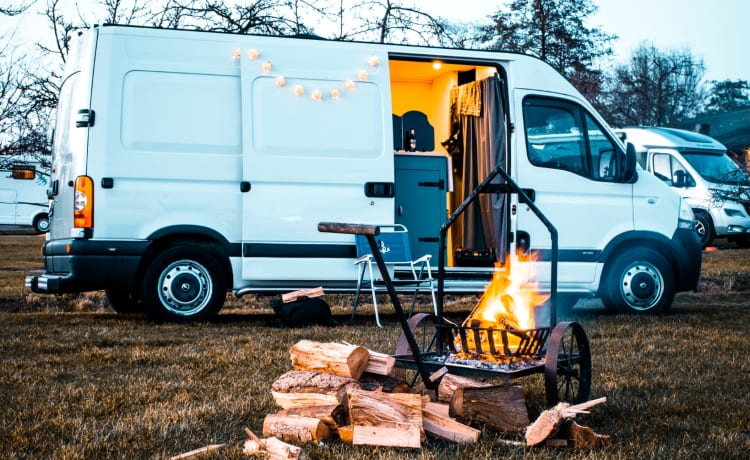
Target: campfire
x,y
502,325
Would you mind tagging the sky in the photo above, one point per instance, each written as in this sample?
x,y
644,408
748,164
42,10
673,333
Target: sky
x,y
713,30
716,31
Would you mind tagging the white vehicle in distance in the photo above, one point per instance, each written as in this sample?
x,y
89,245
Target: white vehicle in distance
x,y
23,195
698,168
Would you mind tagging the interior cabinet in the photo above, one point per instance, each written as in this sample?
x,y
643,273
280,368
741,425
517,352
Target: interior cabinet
x,y
421,187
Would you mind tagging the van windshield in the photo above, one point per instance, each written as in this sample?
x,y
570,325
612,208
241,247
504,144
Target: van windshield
x,y
716,167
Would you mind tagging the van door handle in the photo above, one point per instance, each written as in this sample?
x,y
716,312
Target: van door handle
x,y
244,186
379,190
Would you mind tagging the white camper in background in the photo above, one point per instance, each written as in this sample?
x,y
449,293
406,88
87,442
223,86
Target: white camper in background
x,y
23,195
189,163
698,168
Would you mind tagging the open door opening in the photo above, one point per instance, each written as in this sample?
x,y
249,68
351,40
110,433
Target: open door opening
x,y
450,132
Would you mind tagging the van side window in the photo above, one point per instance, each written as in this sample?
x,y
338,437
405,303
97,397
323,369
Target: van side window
x,y
561,135
670,170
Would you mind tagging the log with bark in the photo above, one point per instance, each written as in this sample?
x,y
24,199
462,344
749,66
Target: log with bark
x,y
333,358
451,382
332,415
550,420
385,383
310,388
502,407
295,429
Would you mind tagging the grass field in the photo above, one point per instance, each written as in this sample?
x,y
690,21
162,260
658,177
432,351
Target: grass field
x,y
79,381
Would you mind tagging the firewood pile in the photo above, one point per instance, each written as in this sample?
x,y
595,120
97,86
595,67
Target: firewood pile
x,y
347,392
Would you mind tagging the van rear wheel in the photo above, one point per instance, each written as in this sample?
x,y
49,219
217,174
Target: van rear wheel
x,y
183,284
640,280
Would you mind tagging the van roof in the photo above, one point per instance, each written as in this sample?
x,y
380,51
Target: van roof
x,y
643,137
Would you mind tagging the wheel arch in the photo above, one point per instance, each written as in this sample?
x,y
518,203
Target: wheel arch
x,y
637,239
189,235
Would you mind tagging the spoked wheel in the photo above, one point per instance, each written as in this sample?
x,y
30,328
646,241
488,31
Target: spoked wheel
x,y
567,368
422,327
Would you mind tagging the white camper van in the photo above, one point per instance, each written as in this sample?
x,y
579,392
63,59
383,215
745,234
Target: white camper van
x,y
23,194
190,163
698,168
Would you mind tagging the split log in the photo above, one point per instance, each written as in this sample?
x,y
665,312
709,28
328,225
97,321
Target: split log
x,y
385,383
380,363
309,293
332,415
549,421
502,407
575,435
401,436
438,423
295,429
332,358
272,448
309,388
386,419
450,383
346,433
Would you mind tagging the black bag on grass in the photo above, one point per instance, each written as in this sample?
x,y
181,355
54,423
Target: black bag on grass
x,y
304,311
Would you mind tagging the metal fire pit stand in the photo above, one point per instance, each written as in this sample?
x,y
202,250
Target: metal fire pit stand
x,y
566,345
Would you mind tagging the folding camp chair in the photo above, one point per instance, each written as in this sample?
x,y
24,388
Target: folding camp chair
x,y
407,274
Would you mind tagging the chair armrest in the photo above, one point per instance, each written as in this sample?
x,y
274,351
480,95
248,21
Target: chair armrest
x,y
423,259
363,259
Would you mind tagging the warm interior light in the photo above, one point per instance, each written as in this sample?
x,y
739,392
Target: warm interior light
x,y
437,65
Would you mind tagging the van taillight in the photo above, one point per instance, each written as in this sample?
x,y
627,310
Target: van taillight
x,y
83,204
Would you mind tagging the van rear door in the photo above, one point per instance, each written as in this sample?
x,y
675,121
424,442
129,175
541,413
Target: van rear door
x,y
317,146
70,147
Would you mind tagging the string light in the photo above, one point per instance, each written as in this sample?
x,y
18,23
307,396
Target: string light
x,y
362,75
299,90
373,61
266,66
253,54
349,85
317,95
335,94
237,53
280,81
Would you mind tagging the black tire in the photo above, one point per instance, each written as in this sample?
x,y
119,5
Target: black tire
x,y
41,223
640,280
184,284
124,301
704,227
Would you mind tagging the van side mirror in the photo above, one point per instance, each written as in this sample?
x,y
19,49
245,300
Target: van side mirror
x,y
628,169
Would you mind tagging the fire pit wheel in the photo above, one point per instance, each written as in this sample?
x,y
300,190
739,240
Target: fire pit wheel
x,y
422,327
567,368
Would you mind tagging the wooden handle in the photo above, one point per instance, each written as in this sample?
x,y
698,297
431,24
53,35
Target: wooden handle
x,y
355,229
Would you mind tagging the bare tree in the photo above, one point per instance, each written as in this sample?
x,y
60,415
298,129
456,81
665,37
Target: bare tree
x,y
728,95
657,88
554,31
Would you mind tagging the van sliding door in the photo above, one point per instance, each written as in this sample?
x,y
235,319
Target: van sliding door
x,y
317,146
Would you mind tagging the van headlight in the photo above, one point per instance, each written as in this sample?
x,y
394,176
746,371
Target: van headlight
x,y
686,219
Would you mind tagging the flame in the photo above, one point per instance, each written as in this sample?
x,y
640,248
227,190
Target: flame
x,y
508,303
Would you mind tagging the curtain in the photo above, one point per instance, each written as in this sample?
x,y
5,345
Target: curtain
x,y
478,117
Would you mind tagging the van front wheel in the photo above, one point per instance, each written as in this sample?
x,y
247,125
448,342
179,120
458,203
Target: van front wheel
x,y
640,280
704,228
182,284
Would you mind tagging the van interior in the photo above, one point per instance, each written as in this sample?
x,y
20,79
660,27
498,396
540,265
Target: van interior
x,y
449,122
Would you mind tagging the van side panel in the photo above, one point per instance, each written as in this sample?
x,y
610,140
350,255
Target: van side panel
x,y
167,134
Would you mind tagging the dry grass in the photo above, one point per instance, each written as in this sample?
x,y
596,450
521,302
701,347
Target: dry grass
x,y
79,381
